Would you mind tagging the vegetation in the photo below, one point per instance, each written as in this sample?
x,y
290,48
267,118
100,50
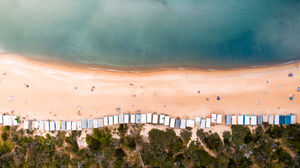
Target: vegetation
x,y
264,146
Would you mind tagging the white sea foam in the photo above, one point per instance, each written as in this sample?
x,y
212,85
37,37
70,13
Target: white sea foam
x,y
2,50
212,69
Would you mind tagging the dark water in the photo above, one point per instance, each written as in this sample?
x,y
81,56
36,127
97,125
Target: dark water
x,y
153,33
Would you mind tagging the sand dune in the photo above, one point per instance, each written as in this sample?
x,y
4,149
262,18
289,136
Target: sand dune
x,y
52,89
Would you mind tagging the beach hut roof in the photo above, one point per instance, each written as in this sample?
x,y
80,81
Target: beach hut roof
x,y
177,122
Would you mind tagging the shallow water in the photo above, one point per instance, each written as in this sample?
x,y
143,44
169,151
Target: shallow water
x,y
152,33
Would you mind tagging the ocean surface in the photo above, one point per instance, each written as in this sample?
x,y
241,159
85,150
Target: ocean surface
x,y
205,34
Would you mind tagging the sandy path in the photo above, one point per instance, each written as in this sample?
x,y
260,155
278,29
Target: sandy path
x,y
51,88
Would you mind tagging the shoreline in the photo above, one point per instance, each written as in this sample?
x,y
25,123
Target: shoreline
x,y
51,88
148,69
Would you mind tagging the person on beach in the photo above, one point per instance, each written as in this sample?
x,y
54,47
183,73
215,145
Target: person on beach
x,y
298,90
26,85
266,92
93,88
218,98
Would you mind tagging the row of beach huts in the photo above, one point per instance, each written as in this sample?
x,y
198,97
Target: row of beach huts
x,y
149,118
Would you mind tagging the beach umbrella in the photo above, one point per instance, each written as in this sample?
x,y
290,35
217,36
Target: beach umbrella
x,y
118,108
154,93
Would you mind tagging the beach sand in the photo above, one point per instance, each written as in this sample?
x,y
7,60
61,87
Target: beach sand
x,y
52,91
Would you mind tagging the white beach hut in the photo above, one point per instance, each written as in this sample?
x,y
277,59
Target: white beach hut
x,y
7,120
213,118
207,122
219,118
116,119
246,120
74,125
126,118
69,125
26,124
111,120
253,120
265,118
202,126
42,125
240,120
155,119
172,123
183,124
190,123
36,124
100,122
52,126
198,120
132,118
15,122
233,119
90,123
47,125
95,123
57,125
161,118
121,118
79,128
167,120
63,125
1,118
105,121
293,119
276,119
271,119
144,118
149,117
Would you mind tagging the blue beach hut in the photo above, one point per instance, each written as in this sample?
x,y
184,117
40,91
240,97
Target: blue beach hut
x,y
259,120
281,119
288,119
228,119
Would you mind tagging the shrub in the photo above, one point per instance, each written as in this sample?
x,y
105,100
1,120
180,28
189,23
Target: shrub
x,y
7,128
4,136
119,153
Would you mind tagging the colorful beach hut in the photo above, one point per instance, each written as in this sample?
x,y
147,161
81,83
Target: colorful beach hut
x,y
110,120
105,121
253,120
143,118
281,119
95,123
63,125
177,123
213,118
265,118
276,119
288,119
259,120
228,119
138,118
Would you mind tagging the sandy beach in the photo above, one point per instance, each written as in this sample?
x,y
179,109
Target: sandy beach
x,y
51,92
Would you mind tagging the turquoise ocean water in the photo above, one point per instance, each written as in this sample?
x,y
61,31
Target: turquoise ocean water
x,y
153,33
